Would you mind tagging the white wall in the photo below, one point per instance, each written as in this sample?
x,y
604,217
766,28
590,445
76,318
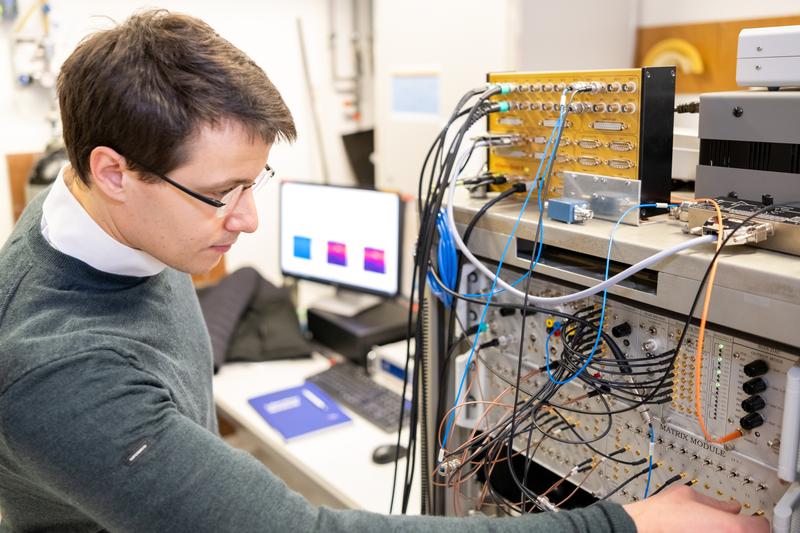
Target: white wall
x,y
674,12
267,32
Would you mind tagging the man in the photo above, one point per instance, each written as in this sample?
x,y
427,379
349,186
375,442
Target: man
x,y
106,415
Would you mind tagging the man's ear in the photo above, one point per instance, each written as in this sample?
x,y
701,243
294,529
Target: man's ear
x,y
107,168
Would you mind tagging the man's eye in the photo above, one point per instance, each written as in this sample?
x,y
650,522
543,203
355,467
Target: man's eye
x,y
220,194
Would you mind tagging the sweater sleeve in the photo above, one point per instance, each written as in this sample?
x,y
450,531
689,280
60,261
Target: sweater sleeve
x,y
107,438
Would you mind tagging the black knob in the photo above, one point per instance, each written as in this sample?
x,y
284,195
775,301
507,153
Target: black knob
x,y
751,421
733,195
755,368
621,330
753,404
767,199
754,386
507,311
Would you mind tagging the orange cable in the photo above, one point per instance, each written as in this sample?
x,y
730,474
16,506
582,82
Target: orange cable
x,y
698,361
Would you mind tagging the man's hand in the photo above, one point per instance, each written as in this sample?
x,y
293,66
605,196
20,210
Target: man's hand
x,y
684,509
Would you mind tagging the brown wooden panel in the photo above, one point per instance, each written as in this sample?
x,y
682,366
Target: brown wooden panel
x,y
716,42
19,168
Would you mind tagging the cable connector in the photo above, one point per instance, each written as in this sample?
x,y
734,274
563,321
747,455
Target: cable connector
x,y
448,467
681,212
569,210
500,139
503,88
592,87
545,504
496,107
749,233
489,344
520,186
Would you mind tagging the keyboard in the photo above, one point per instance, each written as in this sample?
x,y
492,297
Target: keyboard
x,y
350,385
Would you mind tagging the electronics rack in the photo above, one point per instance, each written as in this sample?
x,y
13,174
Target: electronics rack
x,y
621,128
750,347
747,356
633,397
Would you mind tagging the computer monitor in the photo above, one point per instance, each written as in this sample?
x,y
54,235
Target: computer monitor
x,y
343,236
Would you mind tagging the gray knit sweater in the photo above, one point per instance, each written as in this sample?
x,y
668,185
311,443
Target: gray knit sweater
x,y
107,419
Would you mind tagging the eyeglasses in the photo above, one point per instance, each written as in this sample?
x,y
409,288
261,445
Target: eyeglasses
x,y
230,197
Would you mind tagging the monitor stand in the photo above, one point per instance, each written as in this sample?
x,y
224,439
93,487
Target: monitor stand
x,y
347,303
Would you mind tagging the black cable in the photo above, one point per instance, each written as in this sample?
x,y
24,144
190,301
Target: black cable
x,y
424,247
629,480
688,107
666,484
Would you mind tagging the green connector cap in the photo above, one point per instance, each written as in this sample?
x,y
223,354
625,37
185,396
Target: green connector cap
x,y
483,327
505,88
504,107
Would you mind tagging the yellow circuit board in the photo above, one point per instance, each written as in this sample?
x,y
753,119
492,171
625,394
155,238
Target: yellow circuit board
x,y
601,134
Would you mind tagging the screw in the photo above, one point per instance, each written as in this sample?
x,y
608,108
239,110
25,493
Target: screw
x,y
738,111
758,67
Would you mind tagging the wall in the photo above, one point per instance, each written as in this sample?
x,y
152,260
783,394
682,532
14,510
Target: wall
x,y
266,31
661,13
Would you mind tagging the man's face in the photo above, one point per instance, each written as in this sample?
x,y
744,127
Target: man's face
x,y
184,232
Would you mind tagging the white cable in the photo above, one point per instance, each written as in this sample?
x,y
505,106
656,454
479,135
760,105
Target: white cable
x,y
538,300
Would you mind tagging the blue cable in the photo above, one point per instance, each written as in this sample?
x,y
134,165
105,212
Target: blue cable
x,y
447,260
603,305
539,185
481,325
650,466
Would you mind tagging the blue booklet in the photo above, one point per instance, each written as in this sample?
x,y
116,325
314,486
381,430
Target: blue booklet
x,y
299,410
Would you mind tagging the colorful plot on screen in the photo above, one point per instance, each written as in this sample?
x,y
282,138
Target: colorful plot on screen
x,y
337,253
302,247
374,260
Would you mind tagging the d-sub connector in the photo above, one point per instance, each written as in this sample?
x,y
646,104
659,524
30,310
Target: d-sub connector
x,y
551,123
510,152
621,146
607,125
588,161
589,143
749,233
621,164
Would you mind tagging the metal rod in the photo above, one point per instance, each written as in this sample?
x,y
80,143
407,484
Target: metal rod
x,y
313,104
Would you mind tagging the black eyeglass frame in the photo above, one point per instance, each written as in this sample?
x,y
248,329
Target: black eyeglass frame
x,y
205,199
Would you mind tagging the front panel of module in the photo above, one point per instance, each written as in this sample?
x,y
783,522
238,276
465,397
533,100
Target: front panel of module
x,y
742,382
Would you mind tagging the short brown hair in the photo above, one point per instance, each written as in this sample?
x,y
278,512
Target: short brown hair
x,y
144,87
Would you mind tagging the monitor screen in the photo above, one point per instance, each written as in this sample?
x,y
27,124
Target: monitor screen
x,y
344,236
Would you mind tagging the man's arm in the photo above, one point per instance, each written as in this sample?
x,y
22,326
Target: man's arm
x,y
108,438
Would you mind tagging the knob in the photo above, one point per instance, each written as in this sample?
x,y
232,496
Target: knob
x,y
767,199
621,330
751,421
754,386
753,404
756,368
